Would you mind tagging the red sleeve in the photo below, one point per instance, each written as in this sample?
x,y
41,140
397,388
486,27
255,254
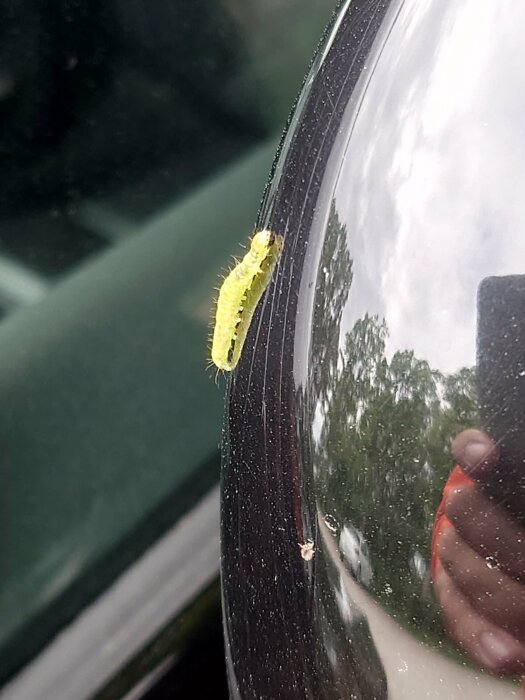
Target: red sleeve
x,y
456,479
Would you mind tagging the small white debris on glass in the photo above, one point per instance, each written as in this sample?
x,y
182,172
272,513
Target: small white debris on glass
x,y
307,550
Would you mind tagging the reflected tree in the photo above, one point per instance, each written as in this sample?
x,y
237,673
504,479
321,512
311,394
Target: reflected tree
x,y
333,286
383,426
385,452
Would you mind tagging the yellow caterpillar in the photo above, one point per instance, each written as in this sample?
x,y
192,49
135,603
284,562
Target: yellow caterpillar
x,y
239,295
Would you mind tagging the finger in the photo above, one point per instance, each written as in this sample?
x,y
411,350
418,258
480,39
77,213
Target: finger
x,y
490,591
489,645
488,529
476,453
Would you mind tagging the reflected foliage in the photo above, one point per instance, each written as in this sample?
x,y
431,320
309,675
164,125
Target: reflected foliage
x,y
333,286
384,426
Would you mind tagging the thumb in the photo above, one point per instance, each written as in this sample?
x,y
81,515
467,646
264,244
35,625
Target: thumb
x,y
476,454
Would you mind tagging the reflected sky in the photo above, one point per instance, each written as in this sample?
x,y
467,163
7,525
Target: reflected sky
x,y
430,188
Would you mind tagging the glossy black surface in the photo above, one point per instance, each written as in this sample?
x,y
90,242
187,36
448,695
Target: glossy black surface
x,y
395,323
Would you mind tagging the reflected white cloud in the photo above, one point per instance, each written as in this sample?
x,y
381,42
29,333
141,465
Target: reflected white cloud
x,y
431,186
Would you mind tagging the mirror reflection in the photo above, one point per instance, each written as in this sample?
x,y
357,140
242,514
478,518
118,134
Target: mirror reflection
x,y
418,368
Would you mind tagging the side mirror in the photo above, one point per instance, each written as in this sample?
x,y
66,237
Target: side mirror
x,y
395,191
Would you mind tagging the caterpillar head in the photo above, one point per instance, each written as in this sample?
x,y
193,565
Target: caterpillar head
x,y
263,241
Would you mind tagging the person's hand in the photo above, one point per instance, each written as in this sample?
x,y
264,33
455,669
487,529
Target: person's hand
x,y
478,566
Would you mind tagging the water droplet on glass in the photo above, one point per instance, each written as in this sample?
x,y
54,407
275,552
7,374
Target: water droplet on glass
x,y
331,522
